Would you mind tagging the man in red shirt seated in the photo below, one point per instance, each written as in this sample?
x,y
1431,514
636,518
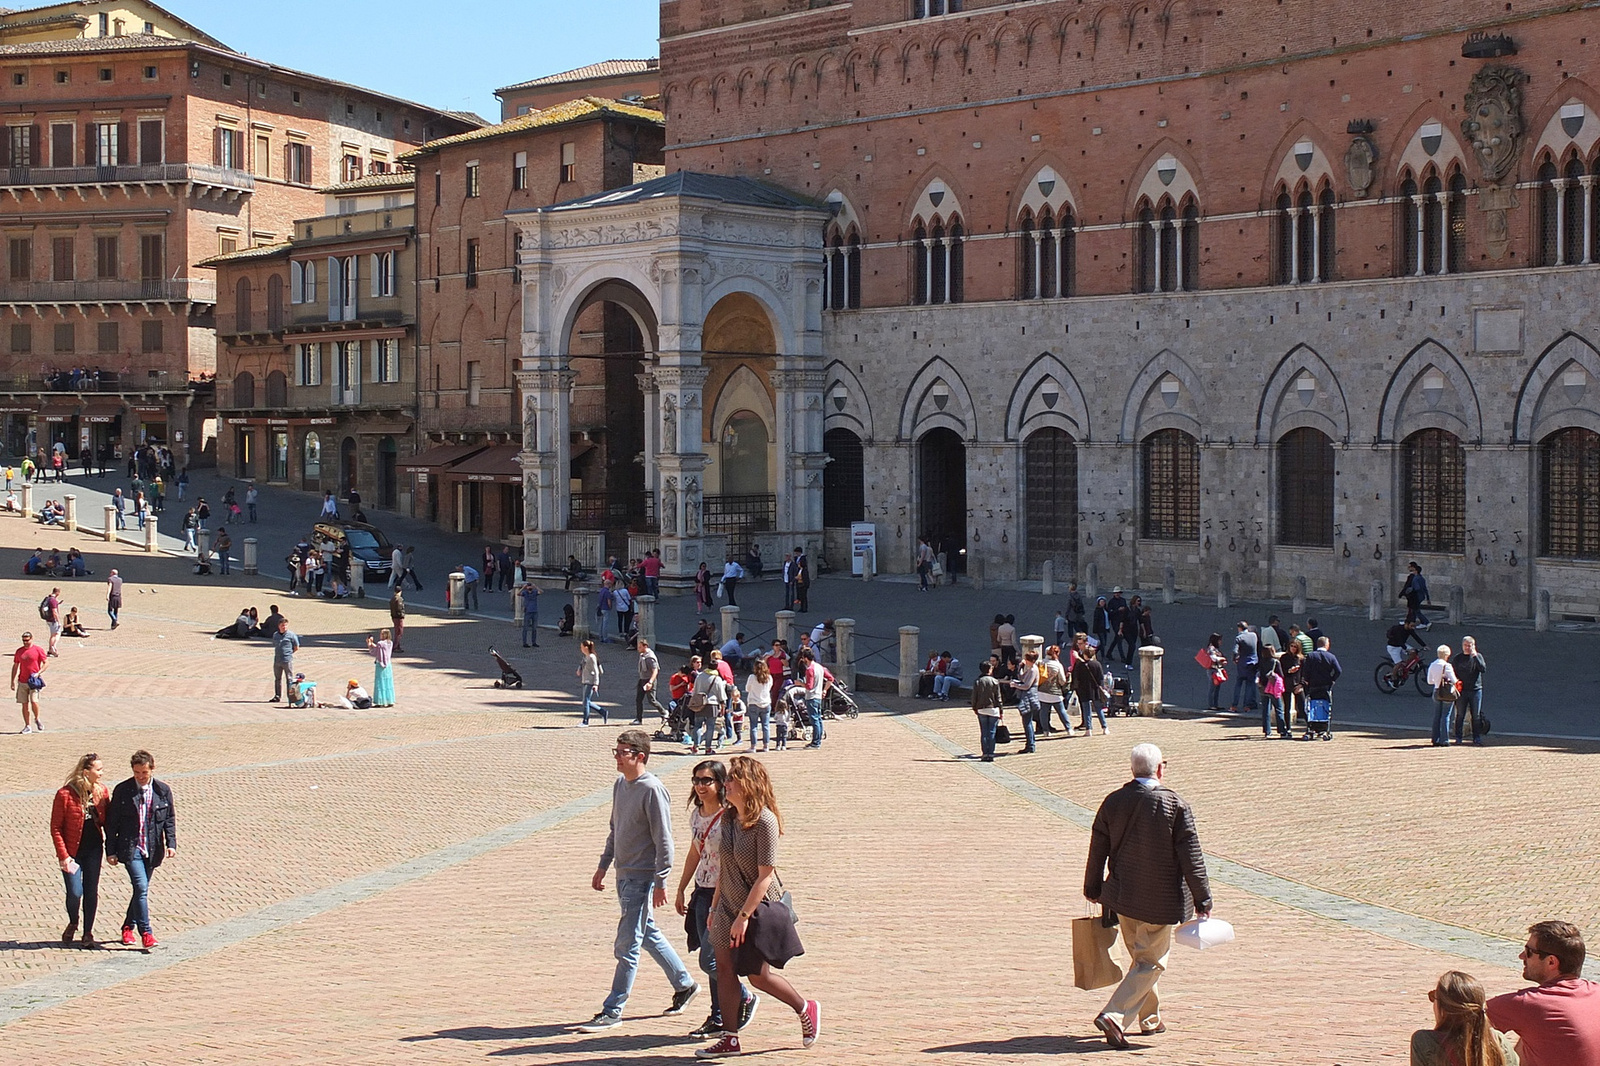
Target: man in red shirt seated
x,y
1558,1020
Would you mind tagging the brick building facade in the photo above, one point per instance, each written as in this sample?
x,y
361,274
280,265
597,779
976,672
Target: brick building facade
x,y
136,146
1252,293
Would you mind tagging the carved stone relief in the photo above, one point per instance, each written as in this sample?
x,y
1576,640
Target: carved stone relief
x,y
1493,122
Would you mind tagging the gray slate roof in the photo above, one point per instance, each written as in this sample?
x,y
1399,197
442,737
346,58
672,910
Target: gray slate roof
x,y
724,188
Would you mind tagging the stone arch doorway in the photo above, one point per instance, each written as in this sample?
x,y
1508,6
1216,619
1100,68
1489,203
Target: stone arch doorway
x,y
349,466
1050,502
942,495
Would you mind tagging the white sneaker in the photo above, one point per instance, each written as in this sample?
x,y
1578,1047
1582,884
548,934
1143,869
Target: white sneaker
x,y
27,728
583,725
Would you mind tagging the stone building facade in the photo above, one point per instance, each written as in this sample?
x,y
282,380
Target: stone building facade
x,y
1254,292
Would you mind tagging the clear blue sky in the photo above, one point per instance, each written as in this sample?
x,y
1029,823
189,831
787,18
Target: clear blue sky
x,y
449,55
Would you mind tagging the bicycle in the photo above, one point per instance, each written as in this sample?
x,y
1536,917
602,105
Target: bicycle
x,y
1390,676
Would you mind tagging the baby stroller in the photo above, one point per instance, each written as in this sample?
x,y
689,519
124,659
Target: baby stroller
x,y
509,678
678,723
1121,696
792,706
837,702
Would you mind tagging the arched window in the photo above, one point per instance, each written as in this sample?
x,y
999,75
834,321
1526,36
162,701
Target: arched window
x,y
1045,251
1168,248
277,389
244,389
921,258
1550,211
1410,223
1570,479
1188,278
312,458
241,305
1145,245
1305,489
844,482
1305,237
921,9
275,302
1028,257
939,263
1456,221
1170,492
1433,479
842,271
1050,501
1433,225
1566,214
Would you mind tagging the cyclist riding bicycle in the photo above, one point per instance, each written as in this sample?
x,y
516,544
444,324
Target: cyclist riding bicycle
x,y
1397,638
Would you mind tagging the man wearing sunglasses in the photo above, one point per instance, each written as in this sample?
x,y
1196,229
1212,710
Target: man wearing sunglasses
x,y
1557,1021
640,844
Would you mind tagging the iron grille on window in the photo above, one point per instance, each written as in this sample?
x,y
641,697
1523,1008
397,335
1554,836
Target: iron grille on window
x,y
1050,503
1549,234
1305,489
1171,496
1409,210
1433,478
844,484
613,510
739,516
1570,461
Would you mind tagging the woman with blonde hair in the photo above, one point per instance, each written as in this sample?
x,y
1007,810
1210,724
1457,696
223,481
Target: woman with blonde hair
x,y
77,821
1442,679
1461,1034
382,651
751,922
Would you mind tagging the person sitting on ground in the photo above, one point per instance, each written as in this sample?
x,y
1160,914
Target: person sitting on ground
x,y
76,565
733,651
35,563
928,679
703,643
1461,1035
52,564
569,619
240,629
355,697
48,515
71,627
302,693
1557,1021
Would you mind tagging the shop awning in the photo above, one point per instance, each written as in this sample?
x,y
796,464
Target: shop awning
x,y
439,457
496,464
59,411
102,412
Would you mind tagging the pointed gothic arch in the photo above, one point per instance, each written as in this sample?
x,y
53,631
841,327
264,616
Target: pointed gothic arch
x,y
1282,407
1560,390
845,403
1047,395
937,398
1408,403
1140,416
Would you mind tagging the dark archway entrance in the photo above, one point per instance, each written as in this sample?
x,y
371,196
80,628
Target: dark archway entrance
x,y
388,473
1050,502
942,494
348,466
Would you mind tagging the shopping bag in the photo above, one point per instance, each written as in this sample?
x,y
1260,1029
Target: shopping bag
x,y
1092,964
721,591
1203,657
1204,933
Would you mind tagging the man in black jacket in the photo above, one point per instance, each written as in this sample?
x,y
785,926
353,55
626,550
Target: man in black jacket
x,y
141,831
1146,835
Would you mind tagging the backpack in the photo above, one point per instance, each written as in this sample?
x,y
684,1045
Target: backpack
x,y
44,608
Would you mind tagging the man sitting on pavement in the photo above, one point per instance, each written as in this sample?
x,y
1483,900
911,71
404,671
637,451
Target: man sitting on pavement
x,y
733,651
1557,1021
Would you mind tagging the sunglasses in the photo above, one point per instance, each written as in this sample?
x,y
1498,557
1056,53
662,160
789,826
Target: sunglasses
x,y
705,781
624,752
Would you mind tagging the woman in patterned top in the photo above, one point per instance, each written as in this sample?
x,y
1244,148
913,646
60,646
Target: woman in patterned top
x,y
750,924
706,811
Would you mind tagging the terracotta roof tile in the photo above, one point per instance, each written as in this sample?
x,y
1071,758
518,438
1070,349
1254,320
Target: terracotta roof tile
x,y
571,111
606,69
398,179
245,255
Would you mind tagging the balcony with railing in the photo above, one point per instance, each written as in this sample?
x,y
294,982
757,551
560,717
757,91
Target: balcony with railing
x,y
90,382
156,290
223,178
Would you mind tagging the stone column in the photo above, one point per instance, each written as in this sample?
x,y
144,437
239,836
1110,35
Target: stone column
x,y
798,402
252,555
844,643
1298,604
910,664
71,503
150,545
111,523
783,628
581,629
546,460
681,464
1458,604
1375,601
1169,585
730,622
1047,581
358,578
1033,643
1224,590
1150,680
458,592
1541,612
202,539
27,499
647,619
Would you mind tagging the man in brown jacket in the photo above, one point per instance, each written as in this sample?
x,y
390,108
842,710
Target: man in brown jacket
x,y
1146,835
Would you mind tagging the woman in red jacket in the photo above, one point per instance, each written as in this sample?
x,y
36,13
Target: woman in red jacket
x,y
77,823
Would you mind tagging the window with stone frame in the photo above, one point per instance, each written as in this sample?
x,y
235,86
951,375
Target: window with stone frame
x,y
308,364
1169,486
1433,485
1305,489
1167,246
1568,218
1045,253
1303,251
1569,473
939,261
1432,222
841,288
923,9
844,487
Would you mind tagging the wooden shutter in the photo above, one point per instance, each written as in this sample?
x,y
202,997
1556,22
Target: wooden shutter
x,y
5,149
91,145
35,147
122,143
216,147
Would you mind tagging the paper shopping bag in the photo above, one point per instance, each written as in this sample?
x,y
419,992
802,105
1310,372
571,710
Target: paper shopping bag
x,y
1092,964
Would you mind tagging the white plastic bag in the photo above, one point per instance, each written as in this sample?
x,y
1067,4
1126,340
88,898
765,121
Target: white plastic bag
x,y
1204,933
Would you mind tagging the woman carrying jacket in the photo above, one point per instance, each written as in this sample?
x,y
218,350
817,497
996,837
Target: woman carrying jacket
x,y
77,821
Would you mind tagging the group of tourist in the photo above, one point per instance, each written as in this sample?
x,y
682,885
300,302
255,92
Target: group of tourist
x,y
1283,673
739,917
301,691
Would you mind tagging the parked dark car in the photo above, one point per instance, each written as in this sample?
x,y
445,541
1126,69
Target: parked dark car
x,y
367,543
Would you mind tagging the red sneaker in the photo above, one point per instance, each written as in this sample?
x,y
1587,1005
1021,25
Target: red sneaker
x,y
810,1023
149,941
724,1048
127,935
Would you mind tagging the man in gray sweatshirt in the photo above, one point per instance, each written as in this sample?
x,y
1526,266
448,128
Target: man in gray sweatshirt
x,y
640,844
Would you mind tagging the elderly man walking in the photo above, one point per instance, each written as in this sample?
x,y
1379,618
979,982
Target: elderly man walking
x,y
1146,834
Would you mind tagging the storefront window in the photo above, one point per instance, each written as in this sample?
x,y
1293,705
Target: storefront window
x,y
280,455
313,459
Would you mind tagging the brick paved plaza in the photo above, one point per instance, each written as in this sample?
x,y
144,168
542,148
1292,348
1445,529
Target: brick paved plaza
x,y
412,884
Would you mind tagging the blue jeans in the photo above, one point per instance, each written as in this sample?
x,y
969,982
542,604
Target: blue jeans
x,y
252,509
139,906
761,716
942,686
637,928
83,887
986,727
1272,708
704,732
469,596
602,625
1441,721
590,704
1028,707
122,519
1469,704
1245,683
222,560
530,628
814,712
1095,704
700,907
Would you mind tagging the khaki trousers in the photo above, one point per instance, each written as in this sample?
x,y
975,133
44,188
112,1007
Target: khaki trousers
x,y
1134,1005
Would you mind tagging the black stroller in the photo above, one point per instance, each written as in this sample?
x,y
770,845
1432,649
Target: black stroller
x,y
838,702
509,678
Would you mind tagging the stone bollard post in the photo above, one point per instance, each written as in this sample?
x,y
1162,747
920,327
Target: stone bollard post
x,y
150,545
1375,601
358,578
71,503
581,626
1047,579
252,556
1541,612
783,628
647,619
111,523
202,541
869,562
944,567
1224,590
1169,585
844,651
27,499
457,594
974,569
730,622
910,661
1033,643
1458,604
1298,606
1091,583
1150,670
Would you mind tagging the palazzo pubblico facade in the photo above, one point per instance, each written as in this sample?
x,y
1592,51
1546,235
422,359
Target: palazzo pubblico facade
x,y
1250,291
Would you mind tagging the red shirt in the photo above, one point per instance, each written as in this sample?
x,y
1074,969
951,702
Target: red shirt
x,y
29,660
1558,1024
651,566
